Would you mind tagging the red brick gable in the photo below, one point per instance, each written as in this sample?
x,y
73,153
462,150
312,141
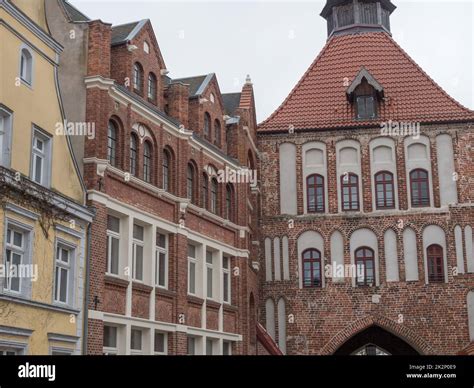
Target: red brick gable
x,y
319,100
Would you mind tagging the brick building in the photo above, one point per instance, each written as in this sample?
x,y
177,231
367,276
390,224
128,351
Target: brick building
x,y
367,167
170,172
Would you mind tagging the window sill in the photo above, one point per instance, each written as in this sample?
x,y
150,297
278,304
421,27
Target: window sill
x,y
195,300
229,307
138,286
164,292
213,304
115,280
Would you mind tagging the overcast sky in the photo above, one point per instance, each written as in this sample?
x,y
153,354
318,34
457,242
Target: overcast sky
x,y
276,41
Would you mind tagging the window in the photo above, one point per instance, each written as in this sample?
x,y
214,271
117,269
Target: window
x,y
226,348
62,274
210,346
161,257
350,192
366,107
190,182
226,280
315,193
419,183
26,66
205,191
214,196
312,268
217,133
146,47
191,346
110,340
136,341
207,126
365,266
210,274
113,245
161,342
15,255
435,264
192,269
112,144
4,351
133,154
152,87
138,246
147,162
5,136
229,194
40,164
137,77
384,191
166,170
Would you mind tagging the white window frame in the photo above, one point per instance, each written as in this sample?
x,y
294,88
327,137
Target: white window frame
x,y
214,342
112,235
44,154
136,351
138,243
193,339
165,342
6,119
107,350
230,347
226,273
192,261
26,79
210,270
163,251
69,267
14,249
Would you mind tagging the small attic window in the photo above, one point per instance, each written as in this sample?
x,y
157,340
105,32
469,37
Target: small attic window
x,y
146,47
365,93
212,98
366,107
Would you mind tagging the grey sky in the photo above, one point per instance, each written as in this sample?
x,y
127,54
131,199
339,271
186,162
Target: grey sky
x,y
275,42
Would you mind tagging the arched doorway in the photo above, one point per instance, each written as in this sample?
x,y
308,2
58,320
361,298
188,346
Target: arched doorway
x,y
375,341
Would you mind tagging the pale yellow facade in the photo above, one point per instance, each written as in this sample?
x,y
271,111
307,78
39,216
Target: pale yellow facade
x,y
33,321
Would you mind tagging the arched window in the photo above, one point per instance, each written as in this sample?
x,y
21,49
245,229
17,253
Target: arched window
x,y
350,192
384,191
435,263
217,133
137,77
312,268
166,170
133,154
214,191
205,191
112,143
190,183
207,126
365,266
315,193
419,184
229,199
152,87
147,162
26,66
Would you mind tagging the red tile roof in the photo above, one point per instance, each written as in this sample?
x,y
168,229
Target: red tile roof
x,y
319,100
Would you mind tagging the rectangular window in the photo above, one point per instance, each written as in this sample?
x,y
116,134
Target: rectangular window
x,y
192,267
191,346
366,107
161,342
138,247
110,340
15,255
210,274
5,135
5,351
226,348
210,347
161,258
62,274
41,158
113,245
226,282
136,341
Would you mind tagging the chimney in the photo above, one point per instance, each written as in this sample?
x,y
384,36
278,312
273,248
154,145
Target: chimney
x,y
178,102
98,59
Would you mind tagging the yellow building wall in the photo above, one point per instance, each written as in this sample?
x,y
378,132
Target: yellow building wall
x,y
34,9
37,105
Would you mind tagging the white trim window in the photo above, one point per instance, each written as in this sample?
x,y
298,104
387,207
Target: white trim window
x,y
62,274
192,270
226,348
161,343
210,274
211,347
5,136
113,245
226,280
138,248
191,344
110,340
9,352
26,65
136,341
15,253
40,158
161,260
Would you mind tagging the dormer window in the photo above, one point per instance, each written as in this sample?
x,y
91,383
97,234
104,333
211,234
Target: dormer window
x,y
365,93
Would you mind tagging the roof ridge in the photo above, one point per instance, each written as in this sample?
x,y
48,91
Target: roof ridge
x,y
129,23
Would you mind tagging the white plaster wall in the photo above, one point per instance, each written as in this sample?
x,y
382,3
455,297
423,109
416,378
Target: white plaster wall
x,y
337,252
270,317
277,258
410,255
288,203
391,256
268,259
346,166
286,258
282,325
447,184
469,251
459,249
314,166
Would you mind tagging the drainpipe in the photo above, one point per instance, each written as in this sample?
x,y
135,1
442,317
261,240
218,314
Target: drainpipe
x,y
86,299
